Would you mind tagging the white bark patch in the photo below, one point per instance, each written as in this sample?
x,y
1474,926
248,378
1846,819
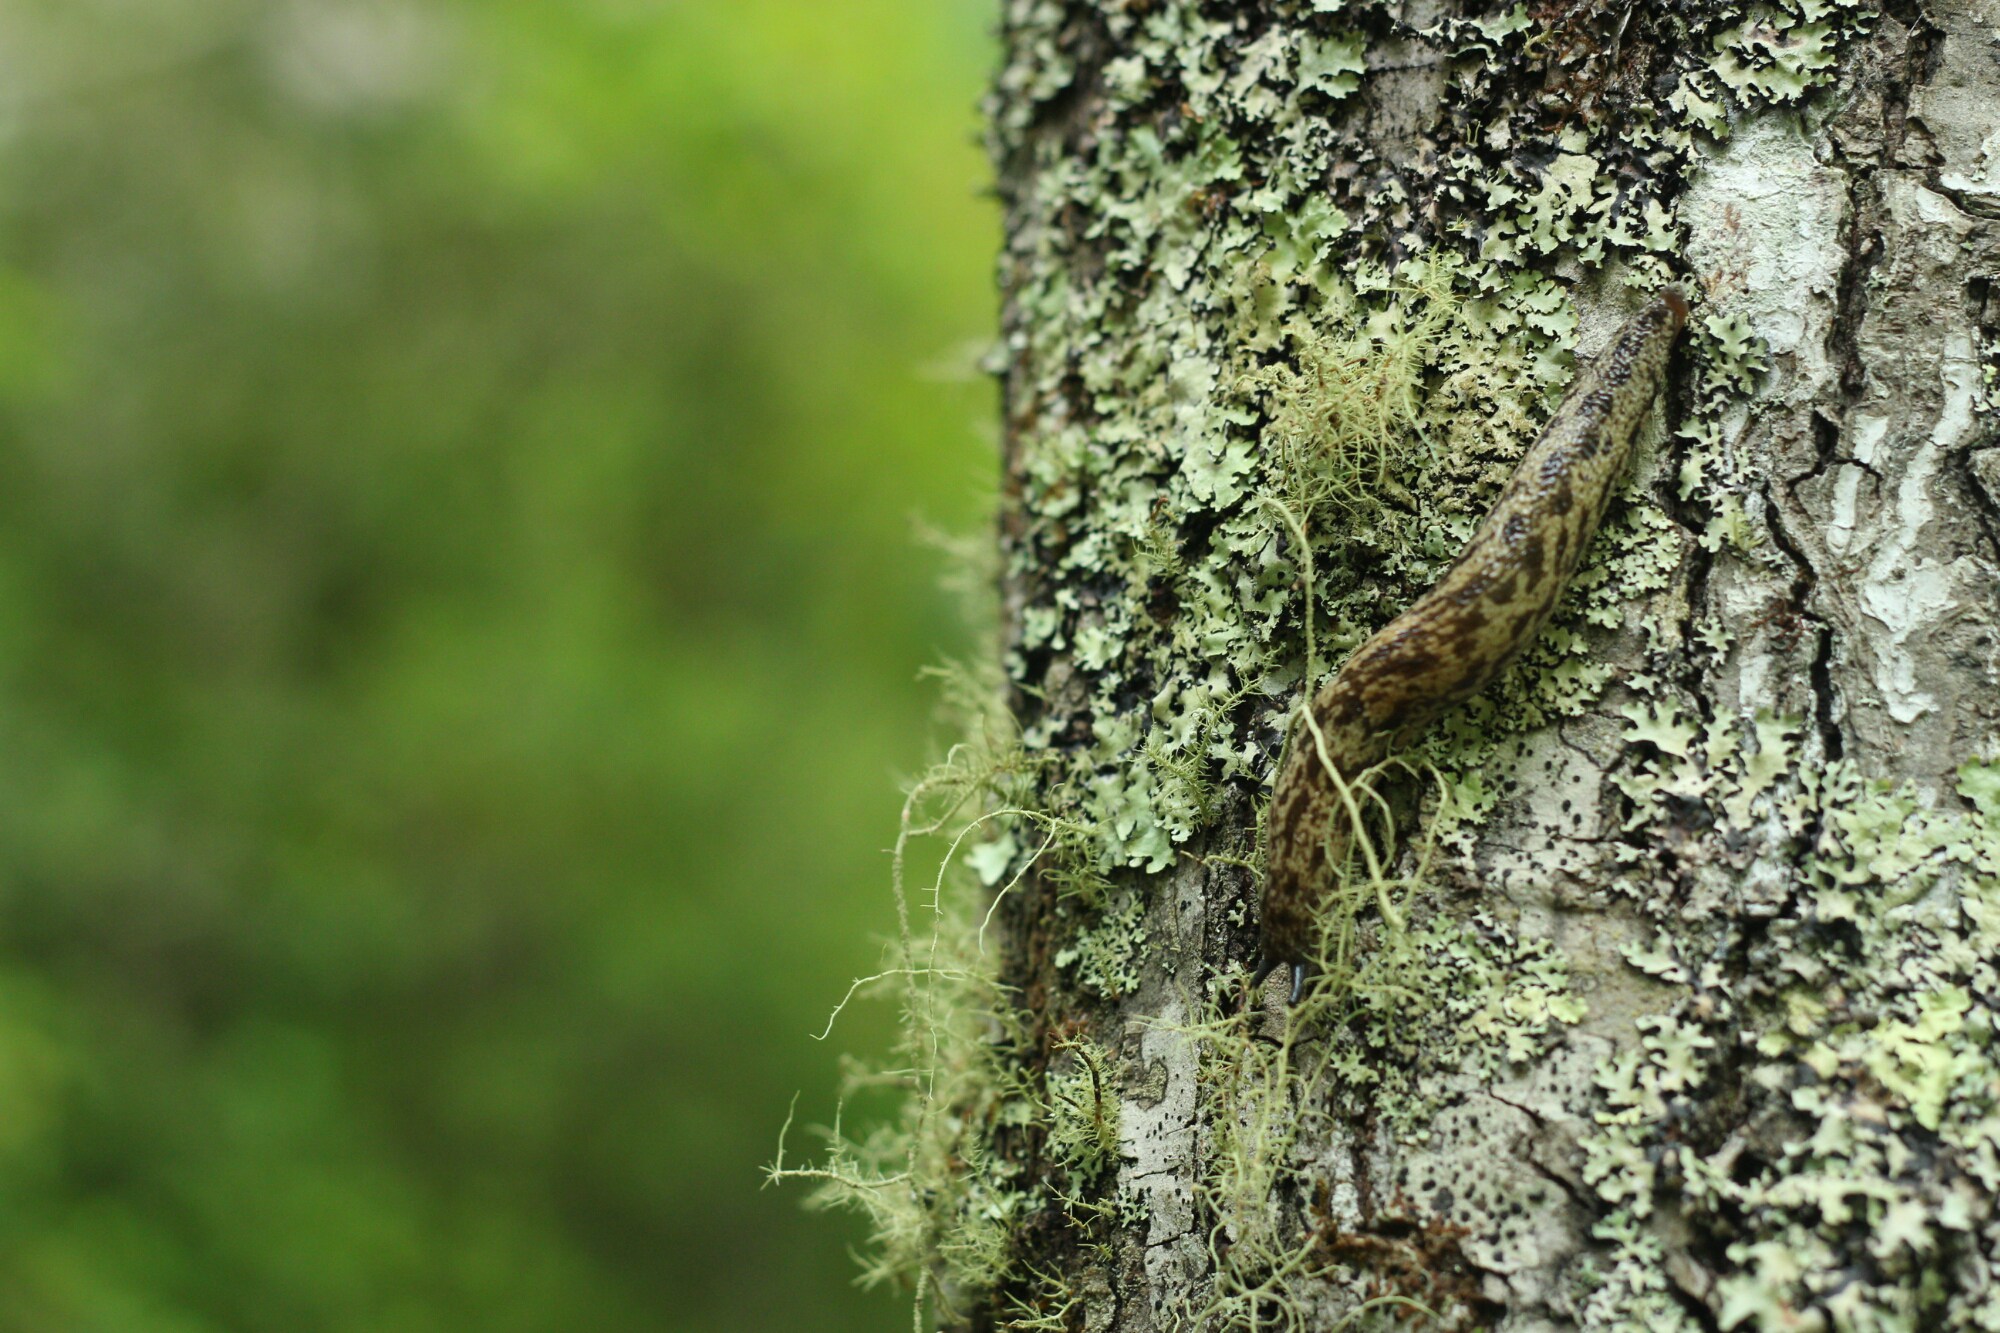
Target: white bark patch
x,y
1502,1164
1743,597
1764,221
1157,1141
1548,830
1865,434
1956,110
1982,176
1904,591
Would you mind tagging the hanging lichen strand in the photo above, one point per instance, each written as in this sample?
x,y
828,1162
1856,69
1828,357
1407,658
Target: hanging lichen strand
x,y
1272,342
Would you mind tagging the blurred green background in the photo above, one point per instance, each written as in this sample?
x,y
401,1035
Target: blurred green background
x,y
459,634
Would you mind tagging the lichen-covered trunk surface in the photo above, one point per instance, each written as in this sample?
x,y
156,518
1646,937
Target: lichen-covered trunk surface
x,y
1670,1000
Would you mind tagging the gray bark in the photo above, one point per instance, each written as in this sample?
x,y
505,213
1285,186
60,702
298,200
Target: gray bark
x,y
1678,1012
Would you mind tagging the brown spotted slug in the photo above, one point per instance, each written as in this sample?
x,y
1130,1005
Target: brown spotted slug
x,y
1492,601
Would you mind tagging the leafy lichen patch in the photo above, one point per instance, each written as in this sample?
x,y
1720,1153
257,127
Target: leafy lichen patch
x,y
1855,1039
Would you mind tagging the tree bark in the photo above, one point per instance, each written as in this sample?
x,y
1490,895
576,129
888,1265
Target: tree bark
x,y
1672,1005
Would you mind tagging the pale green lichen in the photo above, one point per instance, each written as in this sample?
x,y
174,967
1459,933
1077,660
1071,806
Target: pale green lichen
x,y
1778,53
1105,953
940,1202
1986,393
1861,1187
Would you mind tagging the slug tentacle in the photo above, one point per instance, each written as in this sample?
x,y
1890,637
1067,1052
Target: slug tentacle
x,y
1492,601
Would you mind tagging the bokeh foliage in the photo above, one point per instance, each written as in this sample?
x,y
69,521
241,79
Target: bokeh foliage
x,y
459,624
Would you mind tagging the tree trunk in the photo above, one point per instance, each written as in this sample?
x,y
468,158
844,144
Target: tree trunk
x,y
1671,1003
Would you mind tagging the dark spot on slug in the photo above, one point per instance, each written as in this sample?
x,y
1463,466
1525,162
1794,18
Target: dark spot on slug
x,y
1532,557
1416,660
1524,623
1561,496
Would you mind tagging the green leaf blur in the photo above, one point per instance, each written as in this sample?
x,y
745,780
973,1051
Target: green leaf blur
x,y
459,633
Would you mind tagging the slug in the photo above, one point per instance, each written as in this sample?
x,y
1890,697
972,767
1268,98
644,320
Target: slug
x,y
1492,601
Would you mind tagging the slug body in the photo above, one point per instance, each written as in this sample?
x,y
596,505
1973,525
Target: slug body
x,y
1492,601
